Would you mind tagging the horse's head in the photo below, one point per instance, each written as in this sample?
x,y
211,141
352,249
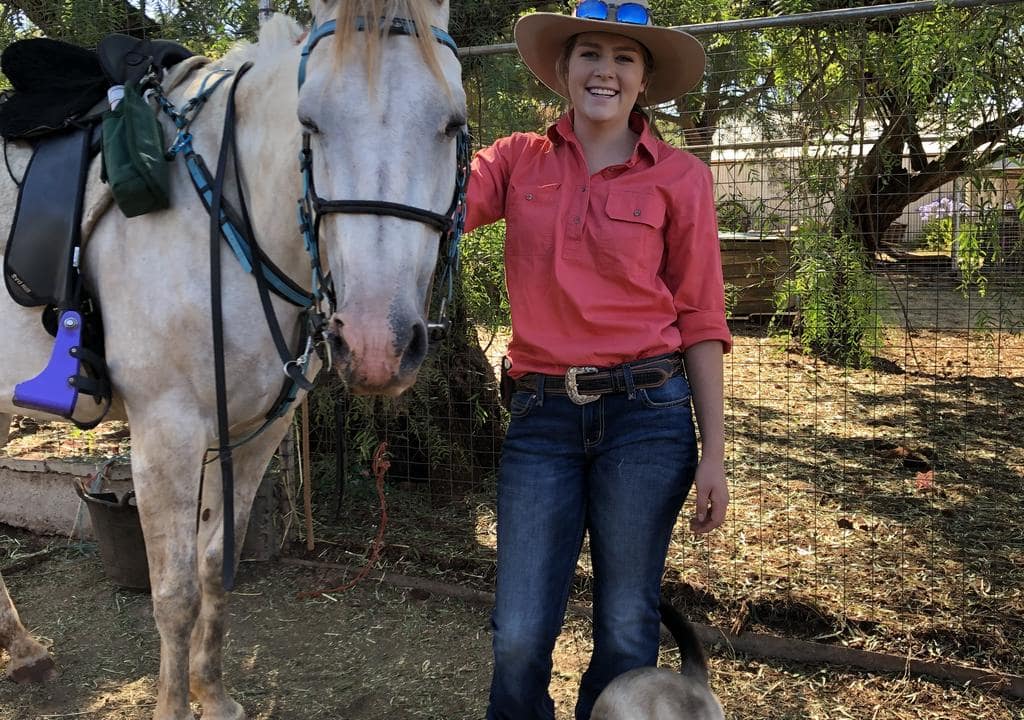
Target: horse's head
x,y
383,110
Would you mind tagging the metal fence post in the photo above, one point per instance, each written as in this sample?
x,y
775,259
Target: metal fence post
x,y
266,10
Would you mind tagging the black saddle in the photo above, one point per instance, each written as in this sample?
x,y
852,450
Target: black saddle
x,y
57,88
58,98
126,60
57,85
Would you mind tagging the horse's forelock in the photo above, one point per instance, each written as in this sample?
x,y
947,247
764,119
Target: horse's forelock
x,y
415,10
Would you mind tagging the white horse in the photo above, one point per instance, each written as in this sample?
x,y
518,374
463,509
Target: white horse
x,y
383,112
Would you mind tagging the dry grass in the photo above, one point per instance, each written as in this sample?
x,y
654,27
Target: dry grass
x,y
378,653
874,509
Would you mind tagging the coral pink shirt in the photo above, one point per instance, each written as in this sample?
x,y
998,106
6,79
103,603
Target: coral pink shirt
x,y
606,268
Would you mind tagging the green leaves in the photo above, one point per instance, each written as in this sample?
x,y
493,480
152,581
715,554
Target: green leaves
x,y
837,320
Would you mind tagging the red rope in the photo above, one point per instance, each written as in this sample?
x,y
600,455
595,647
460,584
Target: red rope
x,y
380,467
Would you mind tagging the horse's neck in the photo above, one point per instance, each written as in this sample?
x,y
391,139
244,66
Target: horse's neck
x,y
267,143
181,72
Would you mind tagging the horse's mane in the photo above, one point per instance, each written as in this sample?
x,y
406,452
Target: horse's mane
x,y
387,10
277,35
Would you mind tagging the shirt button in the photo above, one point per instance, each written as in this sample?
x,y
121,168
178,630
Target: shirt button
x,y
576,219
636,213
529,196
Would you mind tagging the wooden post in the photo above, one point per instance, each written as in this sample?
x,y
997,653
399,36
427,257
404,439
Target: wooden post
x,y
307,476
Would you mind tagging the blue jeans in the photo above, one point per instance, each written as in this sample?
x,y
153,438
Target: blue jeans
x,y
618,468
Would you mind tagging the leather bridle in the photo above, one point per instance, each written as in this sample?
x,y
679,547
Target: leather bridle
x,y
312,207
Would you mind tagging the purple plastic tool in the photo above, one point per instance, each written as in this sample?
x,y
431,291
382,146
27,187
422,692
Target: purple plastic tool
x,y
52,391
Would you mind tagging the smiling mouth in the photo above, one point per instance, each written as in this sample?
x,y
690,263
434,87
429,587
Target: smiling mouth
x,y
602,92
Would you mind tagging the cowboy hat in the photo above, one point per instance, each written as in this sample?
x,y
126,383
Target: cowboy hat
x,y
678,57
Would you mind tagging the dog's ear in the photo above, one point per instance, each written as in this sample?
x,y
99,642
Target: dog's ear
x,y
691,652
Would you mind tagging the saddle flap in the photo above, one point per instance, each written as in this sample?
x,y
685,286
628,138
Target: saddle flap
x,y
38,265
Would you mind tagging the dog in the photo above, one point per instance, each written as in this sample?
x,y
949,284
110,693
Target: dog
x,y
651,693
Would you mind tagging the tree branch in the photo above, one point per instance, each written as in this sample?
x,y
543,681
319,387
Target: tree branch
x,y
47,15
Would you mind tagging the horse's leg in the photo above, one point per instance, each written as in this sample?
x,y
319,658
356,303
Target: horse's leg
x,y
29,660
167,449
205,668
5,428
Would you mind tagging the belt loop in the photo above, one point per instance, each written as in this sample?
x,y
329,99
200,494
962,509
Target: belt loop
x,y
540,389
627,377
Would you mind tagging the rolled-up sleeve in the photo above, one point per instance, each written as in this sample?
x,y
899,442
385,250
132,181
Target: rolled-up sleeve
x,y
693,264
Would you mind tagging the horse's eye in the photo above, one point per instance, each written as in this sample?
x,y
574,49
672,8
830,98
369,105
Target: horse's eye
x,y
454,126
309,126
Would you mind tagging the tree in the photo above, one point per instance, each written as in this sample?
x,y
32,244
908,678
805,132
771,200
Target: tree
x,y
202,24
952,75
84,21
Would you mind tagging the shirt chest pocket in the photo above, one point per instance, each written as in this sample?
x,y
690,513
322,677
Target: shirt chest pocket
x,y
634,215
531,215
630,241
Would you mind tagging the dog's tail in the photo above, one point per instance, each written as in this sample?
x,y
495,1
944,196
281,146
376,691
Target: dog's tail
x,y
691,652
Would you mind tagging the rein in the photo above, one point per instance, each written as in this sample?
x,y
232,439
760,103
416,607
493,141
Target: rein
x,y
293,369
236,229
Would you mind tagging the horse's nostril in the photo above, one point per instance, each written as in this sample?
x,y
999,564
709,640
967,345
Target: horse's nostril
x,y
416,348
339,348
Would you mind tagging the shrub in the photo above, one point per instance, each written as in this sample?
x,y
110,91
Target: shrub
x,y
837,320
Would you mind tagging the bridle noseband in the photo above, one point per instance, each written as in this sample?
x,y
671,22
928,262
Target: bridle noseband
x,y
450,225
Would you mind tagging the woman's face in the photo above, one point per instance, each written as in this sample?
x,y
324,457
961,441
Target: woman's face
x,y
606,74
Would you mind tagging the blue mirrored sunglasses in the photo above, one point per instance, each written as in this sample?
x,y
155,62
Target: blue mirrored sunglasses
x,y
632,13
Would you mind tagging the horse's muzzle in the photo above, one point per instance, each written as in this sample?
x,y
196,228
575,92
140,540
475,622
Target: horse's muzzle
x,y
382,358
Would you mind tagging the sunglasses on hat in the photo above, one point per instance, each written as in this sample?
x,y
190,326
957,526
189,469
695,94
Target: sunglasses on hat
x,y
631,13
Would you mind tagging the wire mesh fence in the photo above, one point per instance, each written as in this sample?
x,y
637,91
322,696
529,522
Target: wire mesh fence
x,y
871,243
868,176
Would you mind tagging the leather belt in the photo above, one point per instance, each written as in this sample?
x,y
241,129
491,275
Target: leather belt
x,y
584,384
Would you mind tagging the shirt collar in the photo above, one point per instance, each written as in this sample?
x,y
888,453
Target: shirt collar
x,y
562,131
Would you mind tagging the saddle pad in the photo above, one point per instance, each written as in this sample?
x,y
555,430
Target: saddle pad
x,y
54,84
38,264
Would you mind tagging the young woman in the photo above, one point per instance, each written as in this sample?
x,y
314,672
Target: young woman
x,y
615,284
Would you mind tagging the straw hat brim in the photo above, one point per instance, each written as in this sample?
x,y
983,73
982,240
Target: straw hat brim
x,y
678,57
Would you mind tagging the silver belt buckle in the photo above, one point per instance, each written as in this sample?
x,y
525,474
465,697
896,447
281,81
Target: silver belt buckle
x,y
573,390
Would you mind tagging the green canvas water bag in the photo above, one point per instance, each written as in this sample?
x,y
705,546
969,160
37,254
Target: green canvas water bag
x,y
133,155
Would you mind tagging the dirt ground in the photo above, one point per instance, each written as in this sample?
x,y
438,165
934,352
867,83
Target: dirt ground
x,y
378,652
875,509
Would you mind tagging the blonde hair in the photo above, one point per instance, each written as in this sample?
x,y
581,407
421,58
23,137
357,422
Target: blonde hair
x,y
385,11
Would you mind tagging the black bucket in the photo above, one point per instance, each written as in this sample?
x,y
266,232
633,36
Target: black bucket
x,y
118,531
